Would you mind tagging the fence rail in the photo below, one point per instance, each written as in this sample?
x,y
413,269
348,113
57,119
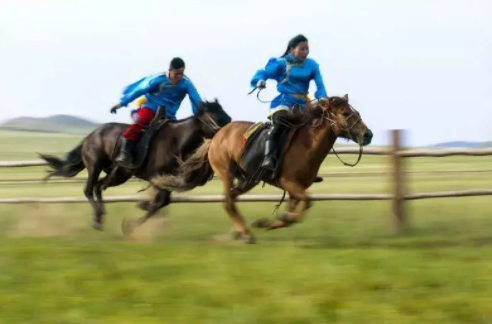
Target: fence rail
x,y
16,181
253,198
397,174
344,150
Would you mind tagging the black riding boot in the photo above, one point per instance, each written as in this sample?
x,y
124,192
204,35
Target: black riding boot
x,y
269,161
125,156
271,146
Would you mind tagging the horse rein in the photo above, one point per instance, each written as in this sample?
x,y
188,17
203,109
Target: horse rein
x,y
332,123
348,129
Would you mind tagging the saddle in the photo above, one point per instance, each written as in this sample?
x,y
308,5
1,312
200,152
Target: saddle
x,y
253,153
140,151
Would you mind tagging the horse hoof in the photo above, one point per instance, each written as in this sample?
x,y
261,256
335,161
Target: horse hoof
x,y
284,217
249,239
246,238
235,235
144,205
261,223
127,227
97,226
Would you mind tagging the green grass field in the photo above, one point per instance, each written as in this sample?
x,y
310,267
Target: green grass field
x,y
340,266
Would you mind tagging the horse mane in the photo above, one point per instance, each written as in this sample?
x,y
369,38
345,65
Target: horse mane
x,y
317,115
295,118
202,109
299,117
202,114
338,101
207,106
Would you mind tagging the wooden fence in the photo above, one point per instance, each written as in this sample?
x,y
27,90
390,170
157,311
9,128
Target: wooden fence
x,y
398,194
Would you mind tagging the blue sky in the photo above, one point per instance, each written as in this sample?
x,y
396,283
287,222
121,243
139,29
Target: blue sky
x,y
424,66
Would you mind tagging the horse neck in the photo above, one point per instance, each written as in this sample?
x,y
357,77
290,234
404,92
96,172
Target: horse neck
x,y
322,142
177,138
204,127
193,122
189,127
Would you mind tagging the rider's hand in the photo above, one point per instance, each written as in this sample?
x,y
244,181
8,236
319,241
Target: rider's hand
x,y
324,102
115,108
261,84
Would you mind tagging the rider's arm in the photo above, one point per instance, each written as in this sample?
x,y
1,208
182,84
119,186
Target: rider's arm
x,y
318,79
269,72
195,98
129,97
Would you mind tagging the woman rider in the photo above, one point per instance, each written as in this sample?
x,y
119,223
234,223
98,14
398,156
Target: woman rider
x,y
293,72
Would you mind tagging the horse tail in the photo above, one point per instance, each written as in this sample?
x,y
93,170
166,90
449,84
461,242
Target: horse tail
x,y
195,171
67,168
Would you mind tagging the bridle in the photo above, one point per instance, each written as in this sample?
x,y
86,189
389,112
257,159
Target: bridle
x,y
333,123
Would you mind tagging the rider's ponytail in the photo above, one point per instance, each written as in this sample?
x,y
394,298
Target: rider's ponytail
x,y
286,51
294,42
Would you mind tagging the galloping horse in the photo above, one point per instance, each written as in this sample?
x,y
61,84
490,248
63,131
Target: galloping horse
x,y
309,146
166,144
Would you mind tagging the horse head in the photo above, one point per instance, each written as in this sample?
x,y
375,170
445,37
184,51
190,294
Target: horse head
x,y
345,120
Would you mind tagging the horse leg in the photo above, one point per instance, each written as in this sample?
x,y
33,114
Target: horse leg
x,y
108,181
236,192
145,205
297,194
109,178
94,171
240,228
161,199
292,205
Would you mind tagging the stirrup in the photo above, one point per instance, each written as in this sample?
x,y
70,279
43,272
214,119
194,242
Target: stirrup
x,y
124,158
268,163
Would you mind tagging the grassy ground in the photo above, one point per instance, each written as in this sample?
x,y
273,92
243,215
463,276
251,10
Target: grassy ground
x,y
339,266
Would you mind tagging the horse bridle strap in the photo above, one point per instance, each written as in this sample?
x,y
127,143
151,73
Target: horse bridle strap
x,y
332,123
348,164
347,129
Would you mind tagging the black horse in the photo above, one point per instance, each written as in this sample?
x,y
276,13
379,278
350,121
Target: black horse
x,y
167,142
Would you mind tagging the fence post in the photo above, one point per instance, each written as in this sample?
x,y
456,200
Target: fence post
x,y
398,183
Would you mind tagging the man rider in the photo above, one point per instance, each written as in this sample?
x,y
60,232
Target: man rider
x,y
165,90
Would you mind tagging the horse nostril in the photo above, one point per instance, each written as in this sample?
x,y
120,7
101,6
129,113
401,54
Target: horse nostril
x,y
368,135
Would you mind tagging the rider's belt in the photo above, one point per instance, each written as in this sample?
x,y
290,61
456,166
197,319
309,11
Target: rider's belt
x,y
300,95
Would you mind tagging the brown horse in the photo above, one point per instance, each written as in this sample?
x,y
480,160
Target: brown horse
x,y
172,141
313,141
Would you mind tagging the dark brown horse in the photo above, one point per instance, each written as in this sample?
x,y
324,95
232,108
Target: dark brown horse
x,y
308,148
174,140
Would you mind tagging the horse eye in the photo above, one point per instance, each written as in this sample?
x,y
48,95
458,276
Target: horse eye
x,y
346,113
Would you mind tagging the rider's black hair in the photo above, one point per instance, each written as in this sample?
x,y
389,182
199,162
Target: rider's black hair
x,y
294,42
177,63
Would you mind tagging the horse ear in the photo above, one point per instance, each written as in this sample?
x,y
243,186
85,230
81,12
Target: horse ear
x,y
346,96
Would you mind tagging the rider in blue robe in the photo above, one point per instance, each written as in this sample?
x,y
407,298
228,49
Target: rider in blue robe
x,y
293,72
